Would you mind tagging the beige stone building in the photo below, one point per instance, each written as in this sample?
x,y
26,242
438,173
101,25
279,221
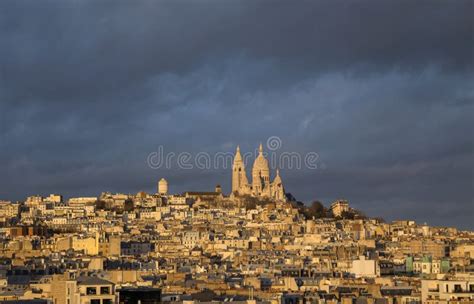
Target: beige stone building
x,y
458,288
261,185
64,290
95,291
339,207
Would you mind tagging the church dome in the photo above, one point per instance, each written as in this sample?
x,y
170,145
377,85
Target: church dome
x,y
261,163
277,179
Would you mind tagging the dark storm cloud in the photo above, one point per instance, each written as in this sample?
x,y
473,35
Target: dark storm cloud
x,y
381,90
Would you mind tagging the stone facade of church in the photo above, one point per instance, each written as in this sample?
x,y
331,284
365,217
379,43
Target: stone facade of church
x,y
261,185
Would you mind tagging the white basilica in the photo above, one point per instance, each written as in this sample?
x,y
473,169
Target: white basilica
x,y
261,185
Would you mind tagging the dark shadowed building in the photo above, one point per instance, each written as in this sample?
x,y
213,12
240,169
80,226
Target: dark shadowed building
x,y
141,295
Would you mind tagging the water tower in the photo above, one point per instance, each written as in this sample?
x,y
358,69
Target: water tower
x,y
163,187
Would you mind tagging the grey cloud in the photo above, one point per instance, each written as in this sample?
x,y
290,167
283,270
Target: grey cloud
x,y
382,90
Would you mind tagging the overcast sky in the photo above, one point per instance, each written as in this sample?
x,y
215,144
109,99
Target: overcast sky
x,y
382,91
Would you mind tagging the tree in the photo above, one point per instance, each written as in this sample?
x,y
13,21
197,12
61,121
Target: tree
x,y
128,205
347,215
317,210
100,205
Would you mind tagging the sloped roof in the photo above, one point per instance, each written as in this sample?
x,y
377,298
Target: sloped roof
x,y
92,281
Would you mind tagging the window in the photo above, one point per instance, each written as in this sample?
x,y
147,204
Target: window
x,y
106,301
91,291
457,288
95,301
105,290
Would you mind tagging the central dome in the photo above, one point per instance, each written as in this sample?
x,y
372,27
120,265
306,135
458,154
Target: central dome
x,y
261,163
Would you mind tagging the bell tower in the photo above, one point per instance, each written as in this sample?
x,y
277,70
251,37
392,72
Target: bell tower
x,y
239,177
